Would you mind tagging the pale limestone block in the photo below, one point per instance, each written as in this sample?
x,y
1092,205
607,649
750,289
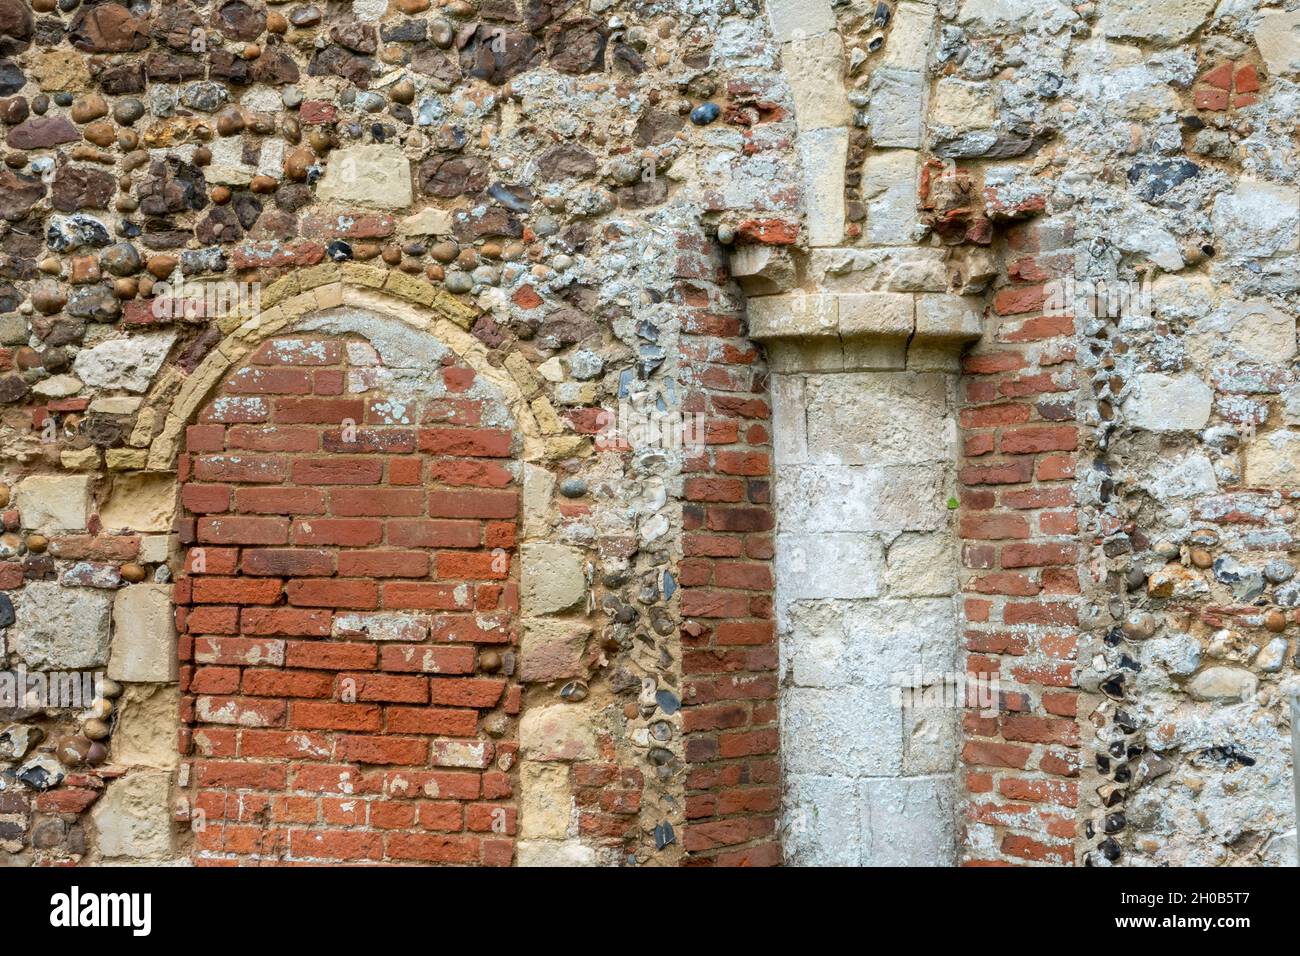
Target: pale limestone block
x,y
963,105
910,37
874,354
850,731
133,817
144,634
814,67
128,363
896,110
889,189
140,502
539,488
1273,460
796,315
1263,333
1162,22
60,628
426,222
829,565
375,175
546,808
762,269
949,318
553,578
789,419
145,735
824,153
1258,218
820,821
51,504
1223,683
538,853
1277,34
921,565
908,822
876,314
560,732
879,418
890,498
814,647
791,19
896,643
1165,403
930,730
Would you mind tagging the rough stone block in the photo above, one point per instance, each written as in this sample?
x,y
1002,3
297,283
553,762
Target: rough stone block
x,y
561,732
820,821
908,822
889,189
1163,403
792,19
145,735
814,66
1162,22
546,808
828,565
846,732
140,502
921,565
553,578
796,315
61,628
133,817
902,498
1273,460
554,853
814,648
376,175
1277,34
129,363
144,634
948,318
790,418
886,314
824,153
878,418
54,503
896,111
552,650
897,643
1258,218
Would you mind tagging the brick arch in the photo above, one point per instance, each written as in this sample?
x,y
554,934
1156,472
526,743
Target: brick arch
x,y
349,493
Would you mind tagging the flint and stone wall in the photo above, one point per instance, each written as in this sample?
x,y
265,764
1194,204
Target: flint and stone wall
x,y
834,234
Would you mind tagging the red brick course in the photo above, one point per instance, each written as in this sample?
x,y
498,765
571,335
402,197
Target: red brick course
x,y
309,737
1020,563
729,654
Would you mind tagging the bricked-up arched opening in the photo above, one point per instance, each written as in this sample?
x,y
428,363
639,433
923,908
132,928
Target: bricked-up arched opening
x,y
350,495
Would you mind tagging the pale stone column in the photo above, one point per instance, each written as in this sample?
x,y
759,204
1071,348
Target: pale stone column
x,y
864,396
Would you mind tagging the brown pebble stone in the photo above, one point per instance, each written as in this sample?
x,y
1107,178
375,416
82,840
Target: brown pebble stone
x,y
1201,558
1275,621
161,266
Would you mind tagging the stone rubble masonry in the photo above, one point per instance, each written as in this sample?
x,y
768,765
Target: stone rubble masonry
x,y
793,217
